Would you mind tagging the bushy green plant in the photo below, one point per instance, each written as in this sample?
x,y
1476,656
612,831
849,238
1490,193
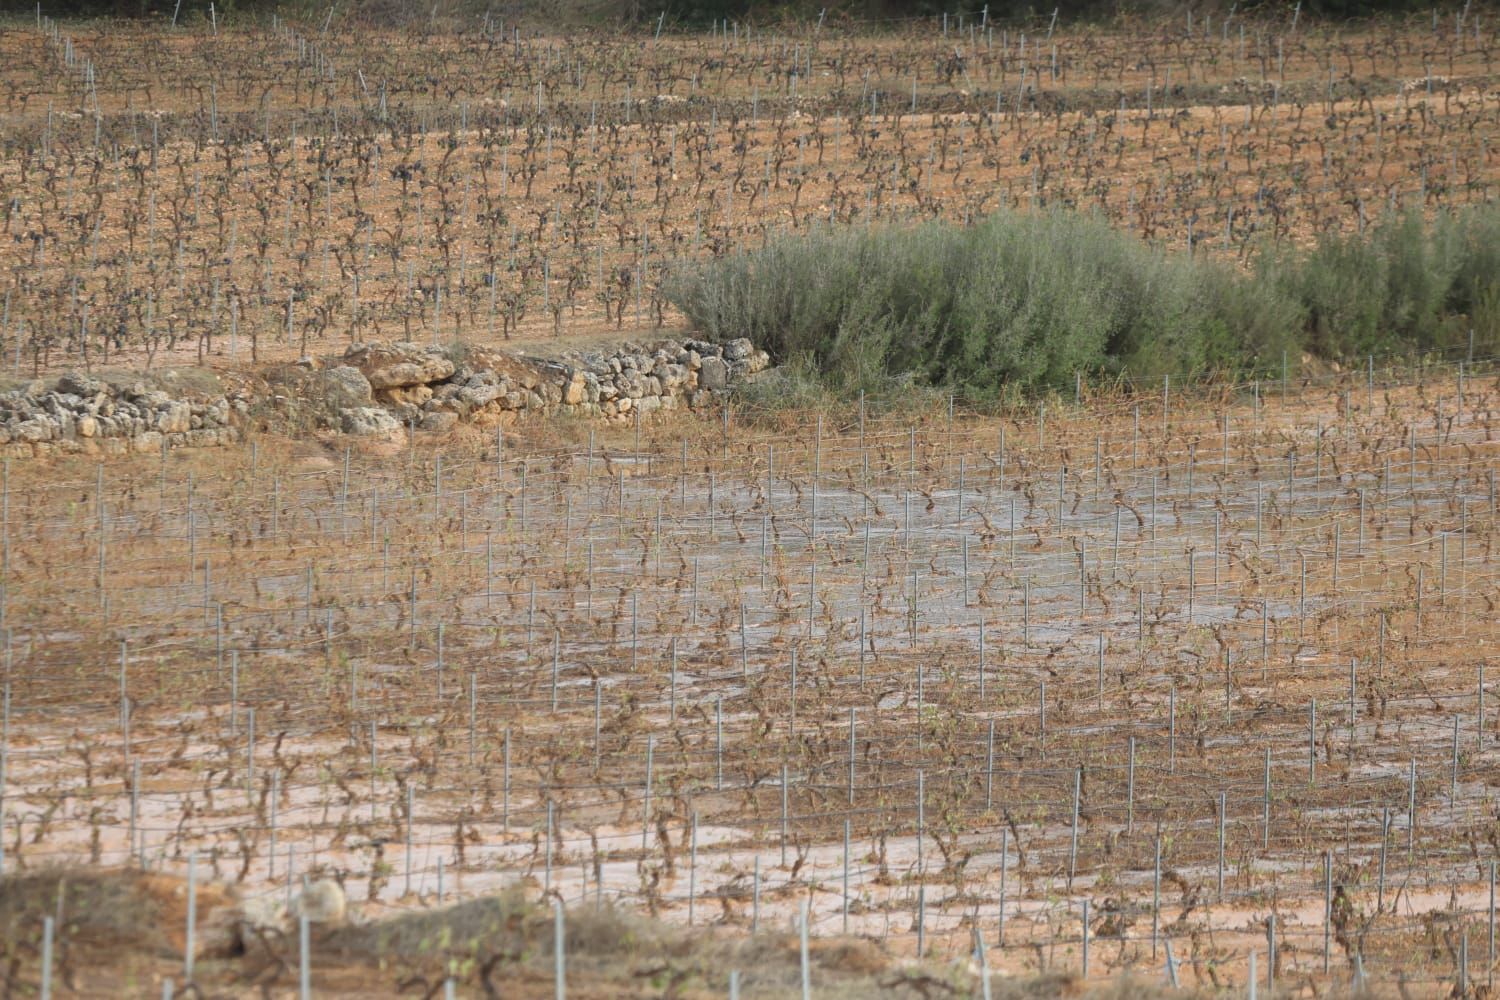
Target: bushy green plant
x,y
1474,292
1023,301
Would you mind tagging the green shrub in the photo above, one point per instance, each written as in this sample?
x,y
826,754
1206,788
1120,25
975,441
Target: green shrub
x,y
1023,301
1404,286
1474,294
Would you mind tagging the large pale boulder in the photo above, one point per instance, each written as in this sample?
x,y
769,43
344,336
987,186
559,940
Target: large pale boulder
x,y
344,387
400,364
370,421
322,902
174,417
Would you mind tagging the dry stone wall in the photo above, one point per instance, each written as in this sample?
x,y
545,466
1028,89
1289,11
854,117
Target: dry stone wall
x,y
388,387
372,390
81,414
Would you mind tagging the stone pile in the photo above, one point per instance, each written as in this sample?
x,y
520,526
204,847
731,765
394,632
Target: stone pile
x,y
385,387
373,390
80,414
647,379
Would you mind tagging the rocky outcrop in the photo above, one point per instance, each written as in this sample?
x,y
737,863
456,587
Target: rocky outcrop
x,y
83,414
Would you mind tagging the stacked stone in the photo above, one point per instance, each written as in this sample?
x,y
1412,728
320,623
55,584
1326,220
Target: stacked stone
x,y
383,388
83,415
376,390
634,378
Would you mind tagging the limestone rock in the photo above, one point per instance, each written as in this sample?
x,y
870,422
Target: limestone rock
x,y
414,395
475,397
174,417
714,374
370,421
400,364
344,387
322,902
264,913
82,385
438,421
33,431
738,349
